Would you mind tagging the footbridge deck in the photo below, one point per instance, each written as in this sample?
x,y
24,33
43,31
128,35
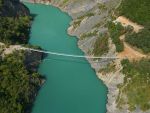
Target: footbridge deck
x,y
70,55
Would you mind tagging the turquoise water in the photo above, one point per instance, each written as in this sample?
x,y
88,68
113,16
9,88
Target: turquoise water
x,y
71,85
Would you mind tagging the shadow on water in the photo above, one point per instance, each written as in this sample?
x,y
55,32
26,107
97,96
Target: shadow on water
x,y
33,15
71,60
67,60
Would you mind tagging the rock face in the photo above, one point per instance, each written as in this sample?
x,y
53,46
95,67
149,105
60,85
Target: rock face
x,y
13,8
32,60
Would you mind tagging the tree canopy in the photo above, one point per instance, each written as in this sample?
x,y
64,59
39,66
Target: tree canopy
x,y
140,40
14,30
135,91
18,86
115,31
136,10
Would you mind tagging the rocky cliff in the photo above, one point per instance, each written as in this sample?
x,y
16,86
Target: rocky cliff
x,y
13,8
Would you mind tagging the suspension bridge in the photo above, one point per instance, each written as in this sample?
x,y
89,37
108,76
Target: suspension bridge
x,y
68,55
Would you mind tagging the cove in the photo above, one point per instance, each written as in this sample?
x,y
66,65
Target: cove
x,y
71,84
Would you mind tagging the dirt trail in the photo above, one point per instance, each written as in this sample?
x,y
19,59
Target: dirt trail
x,y
129,52
125,22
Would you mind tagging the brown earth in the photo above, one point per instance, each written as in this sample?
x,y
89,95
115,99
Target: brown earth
x,y
129,52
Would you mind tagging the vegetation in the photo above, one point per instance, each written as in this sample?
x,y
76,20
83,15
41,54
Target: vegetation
x,y
76,23
86,15
79,19
1,3
102,6
18,83
1,49
99,25
115,31
140,40
138,11
65,1
135,91
84,35
18,86
101,45
14,30
108,69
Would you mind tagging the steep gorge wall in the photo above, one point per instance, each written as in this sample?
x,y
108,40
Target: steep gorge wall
x,y
13,8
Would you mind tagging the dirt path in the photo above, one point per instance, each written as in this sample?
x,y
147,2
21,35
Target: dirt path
x,y
10,49
129,52
125,22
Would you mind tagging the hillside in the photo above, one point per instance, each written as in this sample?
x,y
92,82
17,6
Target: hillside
x,y
133,93
14,22
139,13
19,80
13,8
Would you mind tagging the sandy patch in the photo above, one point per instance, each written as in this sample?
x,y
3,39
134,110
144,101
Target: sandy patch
x,y
125,22
129,52
11,49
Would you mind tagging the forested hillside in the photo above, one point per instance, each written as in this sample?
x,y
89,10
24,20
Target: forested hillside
x,y
18,85
14,22
139,12
14,30
115,31
140,40
136,10
19,80
134,92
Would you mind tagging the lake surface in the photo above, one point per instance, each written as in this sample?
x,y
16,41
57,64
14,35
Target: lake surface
x,y
71,85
